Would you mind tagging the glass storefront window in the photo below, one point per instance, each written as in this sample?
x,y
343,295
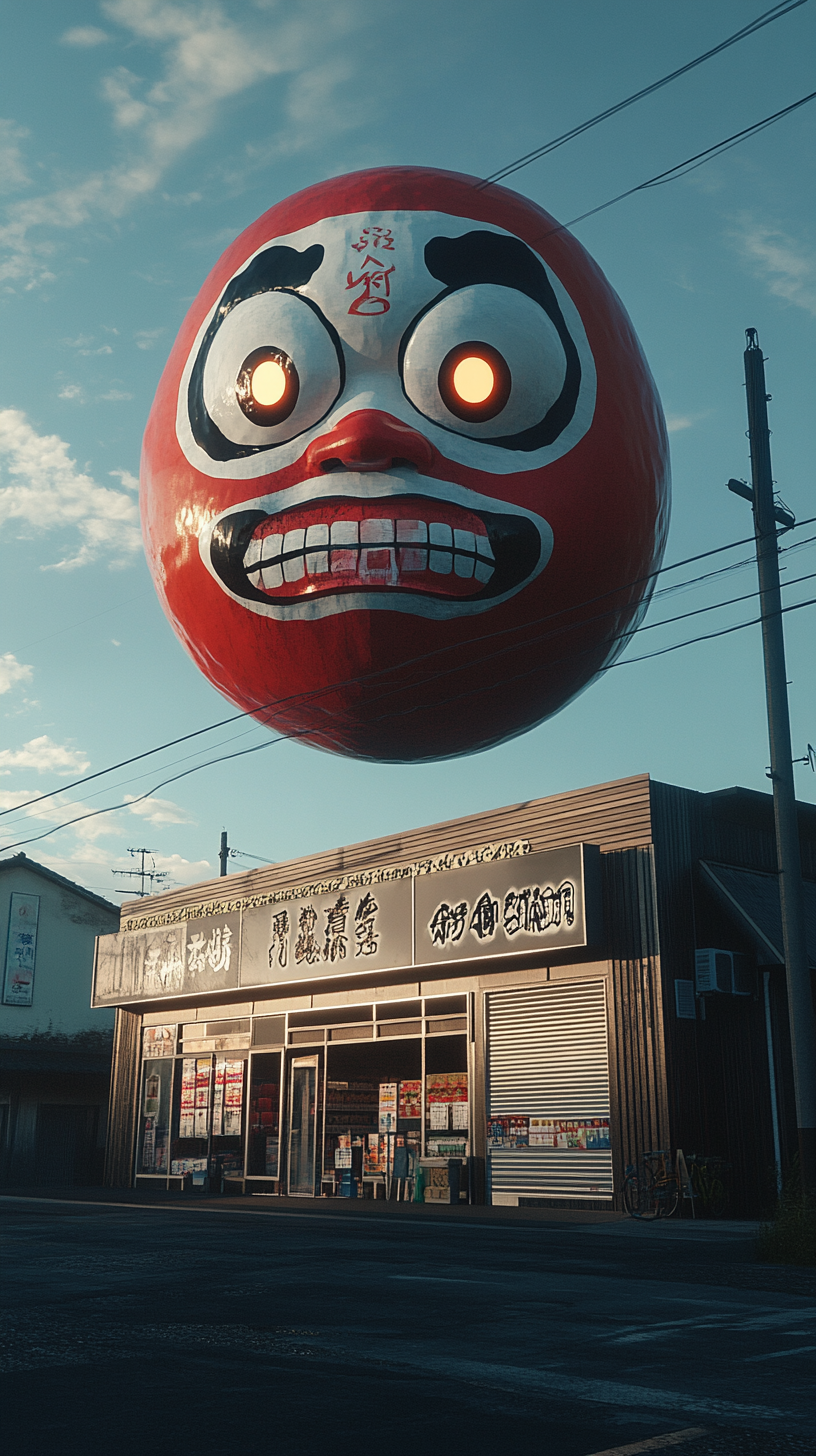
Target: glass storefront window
x,y
303,1126
263,1140
190,1127
154,1116
229,1100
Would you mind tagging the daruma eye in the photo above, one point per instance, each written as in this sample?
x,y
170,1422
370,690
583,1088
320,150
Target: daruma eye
x,y
475,381
267,386
485,361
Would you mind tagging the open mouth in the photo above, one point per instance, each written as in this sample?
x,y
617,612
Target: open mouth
x,y
390,545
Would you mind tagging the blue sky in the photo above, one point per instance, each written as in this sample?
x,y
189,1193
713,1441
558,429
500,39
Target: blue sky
x,y
137,138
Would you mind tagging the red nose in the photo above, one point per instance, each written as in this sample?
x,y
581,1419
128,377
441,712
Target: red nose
x,y
370,440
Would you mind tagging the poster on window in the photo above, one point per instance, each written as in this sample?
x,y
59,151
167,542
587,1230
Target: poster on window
x,y
233,1097
388,1106
187,1103
21,949
203,1074
159,1041
218,1097
410,1099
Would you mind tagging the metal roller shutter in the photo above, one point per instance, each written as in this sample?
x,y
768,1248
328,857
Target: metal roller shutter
x,y
547,1057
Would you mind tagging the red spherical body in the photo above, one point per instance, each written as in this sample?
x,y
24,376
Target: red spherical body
x,y
405,479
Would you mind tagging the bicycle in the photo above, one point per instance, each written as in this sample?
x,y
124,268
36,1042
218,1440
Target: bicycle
x,y
651,1190
708,1184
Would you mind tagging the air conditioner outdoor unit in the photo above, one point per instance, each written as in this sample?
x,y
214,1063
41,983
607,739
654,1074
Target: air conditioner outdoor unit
x,y
722,972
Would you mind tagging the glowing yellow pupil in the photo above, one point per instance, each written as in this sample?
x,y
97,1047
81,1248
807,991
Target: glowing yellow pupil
x,y
268,382
473,380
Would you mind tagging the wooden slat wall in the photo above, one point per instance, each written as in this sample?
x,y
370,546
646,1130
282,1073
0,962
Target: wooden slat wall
x,y
124,1100
640,1117
614,816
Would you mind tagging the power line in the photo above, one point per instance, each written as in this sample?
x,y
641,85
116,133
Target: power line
x,y
689,165
767,18
304,698
406,712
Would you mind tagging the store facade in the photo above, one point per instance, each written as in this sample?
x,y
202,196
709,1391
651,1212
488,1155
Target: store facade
x,y
493,1003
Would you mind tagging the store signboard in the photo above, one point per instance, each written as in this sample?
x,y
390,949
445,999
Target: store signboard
x,y
21,949
548,901
173,960
365,929
544,902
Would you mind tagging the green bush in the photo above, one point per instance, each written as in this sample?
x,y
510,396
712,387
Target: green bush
x,y
789,1235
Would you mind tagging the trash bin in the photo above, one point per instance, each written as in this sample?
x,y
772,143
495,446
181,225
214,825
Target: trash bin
x,y
348,1184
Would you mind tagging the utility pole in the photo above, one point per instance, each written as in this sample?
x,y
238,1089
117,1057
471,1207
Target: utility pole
x,y
766,515
223,853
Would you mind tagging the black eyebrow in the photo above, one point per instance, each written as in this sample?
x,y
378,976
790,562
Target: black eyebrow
x,y
278,268
487,257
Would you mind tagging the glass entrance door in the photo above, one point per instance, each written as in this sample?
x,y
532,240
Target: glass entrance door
x,y
303,1127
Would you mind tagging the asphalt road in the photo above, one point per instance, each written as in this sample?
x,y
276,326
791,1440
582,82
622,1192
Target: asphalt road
x,y
164,1329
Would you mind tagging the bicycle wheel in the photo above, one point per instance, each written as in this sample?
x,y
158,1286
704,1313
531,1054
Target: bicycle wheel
x,y
640,1197
669,1198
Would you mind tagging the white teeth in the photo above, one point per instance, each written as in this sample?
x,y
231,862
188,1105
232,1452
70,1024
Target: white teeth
x,y
411,560
366,549
465,541
377,531
412,531
271,576
344,533
440,534
253,552
295,567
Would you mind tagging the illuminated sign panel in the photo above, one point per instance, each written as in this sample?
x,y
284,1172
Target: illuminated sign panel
x,y
531,903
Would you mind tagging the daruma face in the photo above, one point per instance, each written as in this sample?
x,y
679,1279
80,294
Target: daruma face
x,y
405,478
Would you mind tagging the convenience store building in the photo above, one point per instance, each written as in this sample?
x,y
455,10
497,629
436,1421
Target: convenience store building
x,y
540,992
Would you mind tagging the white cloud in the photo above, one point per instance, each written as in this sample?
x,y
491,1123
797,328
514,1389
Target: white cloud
x,y
72,391
117,394
84,36
158,811
45,756
786,265
146,338
208,55
12,671
676,423
46,491
12,172
127,478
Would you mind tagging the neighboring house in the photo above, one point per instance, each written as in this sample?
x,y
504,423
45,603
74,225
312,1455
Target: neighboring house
x,y
55,1051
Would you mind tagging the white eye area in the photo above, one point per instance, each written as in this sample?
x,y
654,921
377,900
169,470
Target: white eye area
x,y
474,380
268,382
272,370
486,361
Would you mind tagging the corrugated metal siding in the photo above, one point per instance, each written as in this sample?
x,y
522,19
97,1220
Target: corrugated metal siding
x,y
547,1057
549,1173
547,1052
123,1100
614,816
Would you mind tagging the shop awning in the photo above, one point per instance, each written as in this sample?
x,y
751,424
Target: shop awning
x,y
751,898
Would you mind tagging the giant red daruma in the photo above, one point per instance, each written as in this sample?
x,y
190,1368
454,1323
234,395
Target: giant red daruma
x,y
405,479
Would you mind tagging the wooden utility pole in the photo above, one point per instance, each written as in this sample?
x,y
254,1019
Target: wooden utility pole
x,y
223,853
791,896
